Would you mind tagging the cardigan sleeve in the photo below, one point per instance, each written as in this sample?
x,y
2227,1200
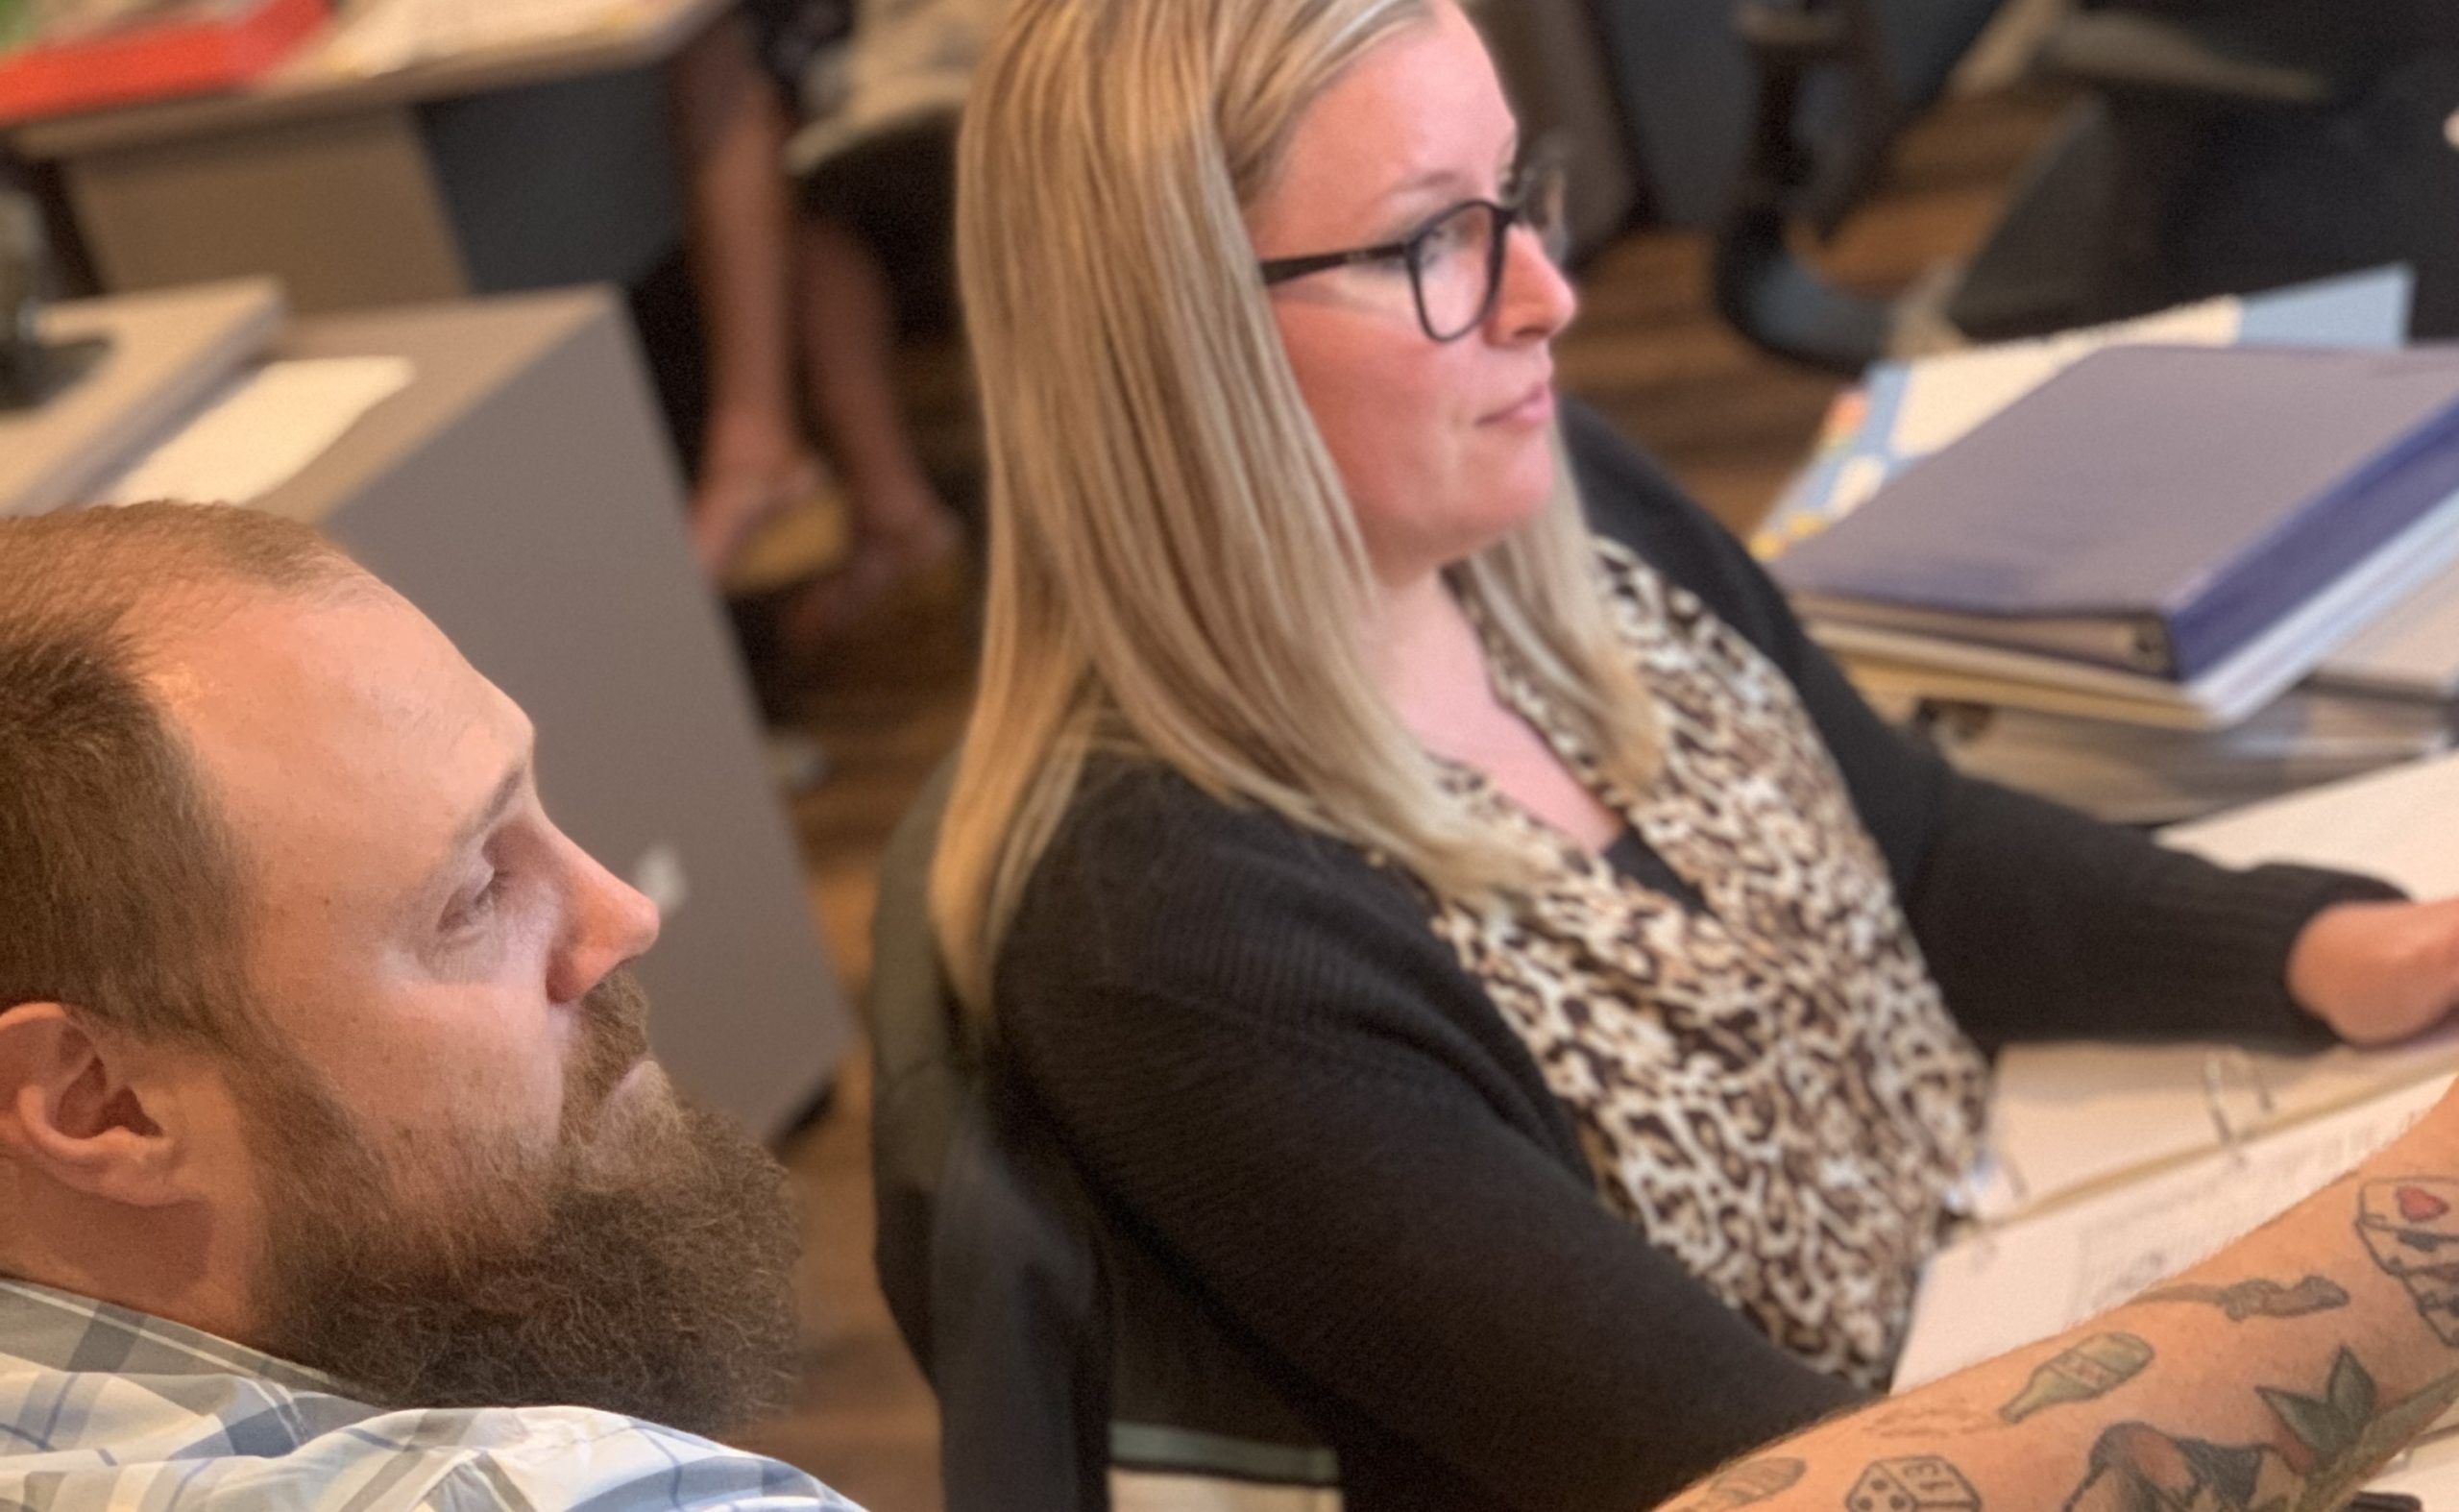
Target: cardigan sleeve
x,y
1264,1062
2038,922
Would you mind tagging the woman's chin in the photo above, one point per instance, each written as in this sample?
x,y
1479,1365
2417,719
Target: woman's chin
x,y
1525,486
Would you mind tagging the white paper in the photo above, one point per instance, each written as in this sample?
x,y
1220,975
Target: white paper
x,y
396,34
2412,651
2396,824
2064,1118
259,432
2039,1275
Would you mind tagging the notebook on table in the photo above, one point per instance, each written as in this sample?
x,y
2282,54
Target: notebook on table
x,y
2157,523
1904,410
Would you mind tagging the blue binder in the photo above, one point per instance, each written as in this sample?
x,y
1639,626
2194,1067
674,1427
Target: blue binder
x,y
2152,508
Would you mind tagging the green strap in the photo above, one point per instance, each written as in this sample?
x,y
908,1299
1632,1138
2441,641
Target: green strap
x,y
1147,1446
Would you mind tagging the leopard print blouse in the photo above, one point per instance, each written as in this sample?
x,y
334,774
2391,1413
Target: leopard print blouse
x,y
1769,1086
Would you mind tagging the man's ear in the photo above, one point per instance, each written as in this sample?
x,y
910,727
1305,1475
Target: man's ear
x,y
70,1112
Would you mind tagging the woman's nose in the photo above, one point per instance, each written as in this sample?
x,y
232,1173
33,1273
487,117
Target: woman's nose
x,y
1537,301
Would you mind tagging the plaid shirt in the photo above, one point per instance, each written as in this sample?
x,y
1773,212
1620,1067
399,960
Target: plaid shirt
x,y
104,1407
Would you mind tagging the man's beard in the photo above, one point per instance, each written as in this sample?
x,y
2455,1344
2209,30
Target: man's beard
x,y
644,1268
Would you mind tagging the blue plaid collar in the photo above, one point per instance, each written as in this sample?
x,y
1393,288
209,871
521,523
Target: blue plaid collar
x,y
53,1329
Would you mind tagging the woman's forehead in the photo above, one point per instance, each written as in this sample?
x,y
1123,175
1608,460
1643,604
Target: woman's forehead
x,y
1421,117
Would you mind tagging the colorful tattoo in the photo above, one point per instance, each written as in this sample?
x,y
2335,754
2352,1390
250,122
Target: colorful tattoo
x,y
2324,1447
2093,1368
2259,1297
2412,1228
1916,1483
1924,1421
1752,1480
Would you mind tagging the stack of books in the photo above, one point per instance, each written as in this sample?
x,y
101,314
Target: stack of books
x,y
2107,589
2147,774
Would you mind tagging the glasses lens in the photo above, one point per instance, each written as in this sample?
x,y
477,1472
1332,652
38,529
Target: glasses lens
x,y
1455,265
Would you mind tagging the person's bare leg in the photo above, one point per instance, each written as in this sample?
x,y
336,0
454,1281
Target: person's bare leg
x,y
731,129
848,325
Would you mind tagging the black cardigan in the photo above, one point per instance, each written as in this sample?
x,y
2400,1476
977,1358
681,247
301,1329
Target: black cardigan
x,y
1281,1085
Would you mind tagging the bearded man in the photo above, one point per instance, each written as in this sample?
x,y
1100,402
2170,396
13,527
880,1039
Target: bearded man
x,y
334,1169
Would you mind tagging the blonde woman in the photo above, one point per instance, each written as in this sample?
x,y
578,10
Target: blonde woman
x,y
1482,960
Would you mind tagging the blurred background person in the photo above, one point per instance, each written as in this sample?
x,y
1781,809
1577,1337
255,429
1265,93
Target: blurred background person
x,y
805,283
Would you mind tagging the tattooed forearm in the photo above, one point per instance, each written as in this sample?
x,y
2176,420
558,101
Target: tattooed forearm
x,y
2324,1447
1740,1485
2413,1234
2093,1368
1918,1420
2259,1297
1916,1483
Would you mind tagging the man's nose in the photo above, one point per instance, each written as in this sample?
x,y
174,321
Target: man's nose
x,y
611,923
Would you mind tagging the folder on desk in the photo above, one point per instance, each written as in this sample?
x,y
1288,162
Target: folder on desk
x,y
2070,1118
1903,411
2130,773
2116,1165
2064,1263
159,52
2153,512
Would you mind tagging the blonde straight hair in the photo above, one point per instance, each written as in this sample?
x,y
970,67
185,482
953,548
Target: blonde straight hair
x,y
1175,572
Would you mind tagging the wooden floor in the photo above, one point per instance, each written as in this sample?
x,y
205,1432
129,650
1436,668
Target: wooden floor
x,y
1730,423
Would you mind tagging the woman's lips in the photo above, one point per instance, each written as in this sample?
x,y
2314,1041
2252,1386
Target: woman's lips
x,y
1536,407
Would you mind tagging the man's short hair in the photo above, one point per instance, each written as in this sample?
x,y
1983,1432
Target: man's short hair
x,y
122,892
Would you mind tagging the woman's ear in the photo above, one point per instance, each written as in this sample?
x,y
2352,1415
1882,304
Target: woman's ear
x,y
74,1109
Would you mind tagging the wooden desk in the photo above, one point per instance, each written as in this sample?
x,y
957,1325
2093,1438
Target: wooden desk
x,y
521,493
519,167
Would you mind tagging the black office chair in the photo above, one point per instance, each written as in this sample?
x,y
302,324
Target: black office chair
x,y
980,1254
1838,80
1065,1366
2222,146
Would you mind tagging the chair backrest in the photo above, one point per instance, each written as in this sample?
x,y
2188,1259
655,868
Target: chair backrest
x,y
1074,1371
984,1251
921,1077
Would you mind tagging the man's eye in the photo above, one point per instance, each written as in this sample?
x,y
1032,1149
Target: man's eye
x,y
478,906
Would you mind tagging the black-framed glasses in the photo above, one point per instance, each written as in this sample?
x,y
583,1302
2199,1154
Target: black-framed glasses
x,y
1456,260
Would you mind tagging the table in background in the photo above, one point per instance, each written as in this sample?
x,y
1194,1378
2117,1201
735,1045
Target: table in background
x,y
524,166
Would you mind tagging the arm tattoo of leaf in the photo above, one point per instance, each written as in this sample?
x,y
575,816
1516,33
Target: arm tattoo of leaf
x,y
2326,1444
